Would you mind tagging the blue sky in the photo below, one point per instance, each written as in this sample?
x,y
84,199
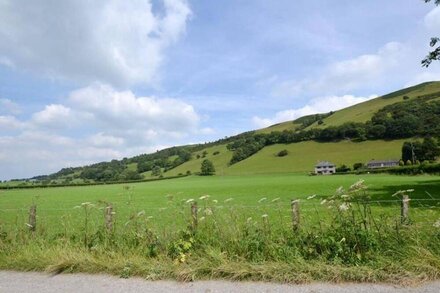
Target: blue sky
x,y
82,82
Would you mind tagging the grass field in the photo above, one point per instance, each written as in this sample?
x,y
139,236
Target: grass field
x,y
244,229
302,157
161,199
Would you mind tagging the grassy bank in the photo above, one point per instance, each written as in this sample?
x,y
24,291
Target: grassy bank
x,y
244,229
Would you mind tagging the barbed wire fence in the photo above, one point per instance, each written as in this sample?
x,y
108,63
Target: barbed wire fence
x,y
411,211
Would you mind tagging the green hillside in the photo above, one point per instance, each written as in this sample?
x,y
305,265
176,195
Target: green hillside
x,y
361,112
301,158
375,129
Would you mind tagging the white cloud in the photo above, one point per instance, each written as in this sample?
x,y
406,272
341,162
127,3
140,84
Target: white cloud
x,y
432,20
346,75
9,107
318,105
10,123
96,123
119,42
118,111
54,116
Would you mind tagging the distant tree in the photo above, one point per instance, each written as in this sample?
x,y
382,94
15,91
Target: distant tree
x,y
343,169
144,166
204,154
430,150
435,53
357,166
156,171
207,168
216,153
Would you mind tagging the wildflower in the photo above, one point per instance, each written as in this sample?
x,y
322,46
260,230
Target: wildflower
x,y
229,199
141,213
345,196
204,197
149,217
262,199
215,201
189,200
202,219
324,201
264,216
437,224
342,240
340,190
312,196
344,207
208,211
358,185
249,219
275,199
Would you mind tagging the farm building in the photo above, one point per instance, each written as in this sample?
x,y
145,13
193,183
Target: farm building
x,y
375,164
325,168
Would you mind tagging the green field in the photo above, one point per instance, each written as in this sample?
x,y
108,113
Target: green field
x,y
244,229
302,157
153,197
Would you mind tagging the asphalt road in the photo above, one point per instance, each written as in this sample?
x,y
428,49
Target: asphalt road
x,y
12,282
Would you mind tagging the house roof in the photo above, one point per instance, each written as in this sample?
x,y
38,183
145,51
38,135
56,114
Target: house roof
x,y
383,162
325,164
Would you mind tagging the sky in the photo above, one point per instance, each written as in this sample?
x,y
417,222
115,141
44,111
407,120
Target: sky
x,y
89,81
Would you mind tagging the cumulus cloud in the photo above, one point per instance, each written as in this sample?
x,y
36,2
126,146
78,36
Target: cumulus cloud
x,y
318,105
123,110
119,42
95,123
346,75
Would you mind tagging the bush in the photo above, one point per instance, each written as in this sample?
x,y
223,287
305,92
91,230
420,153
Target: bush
x,y
282,153
357,166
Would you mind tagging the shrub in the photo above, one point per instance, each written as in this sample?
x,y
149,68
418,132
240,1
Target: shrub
x,y
282,153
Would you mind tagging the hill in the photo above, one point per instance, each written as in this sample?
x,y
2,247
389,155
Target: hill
x,y
375,129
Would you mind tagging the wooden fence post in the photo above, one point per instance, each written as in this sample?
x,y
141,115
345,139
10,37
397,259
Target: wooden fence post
x,y
404,211
295,215
108,216
33,218
194,216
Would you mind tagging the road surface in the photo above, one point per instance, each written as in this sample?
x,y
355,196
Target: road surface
x,y
11,282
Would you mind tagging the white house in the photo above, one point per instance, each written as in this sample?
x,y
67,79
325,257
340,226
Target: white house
x,y
325,168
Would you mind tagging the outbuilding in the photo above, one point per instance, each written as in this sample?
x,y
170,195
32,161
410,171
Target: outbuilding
x,y
376,164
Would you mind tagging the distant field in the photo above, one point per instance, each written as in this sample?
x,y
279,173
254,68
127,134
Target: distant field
x,y
301,158
153,197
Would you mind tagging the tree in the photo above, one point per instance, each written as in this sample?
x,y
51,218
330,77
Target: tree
x,y
156,171
435,53
207,168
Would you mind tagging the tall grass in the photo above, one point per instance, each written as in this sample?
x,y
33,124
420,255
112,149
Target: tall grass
x,y
341,238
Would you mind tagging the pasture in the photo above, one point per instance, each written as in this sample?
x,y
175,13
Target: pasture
x,y
244,229
158,198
